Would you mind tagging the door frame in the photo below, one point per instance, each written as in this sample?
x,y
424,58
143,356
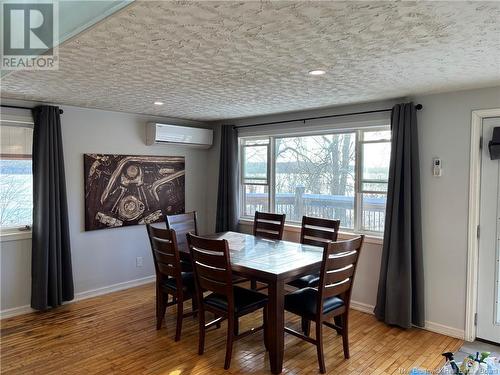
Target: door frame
x,y
473,220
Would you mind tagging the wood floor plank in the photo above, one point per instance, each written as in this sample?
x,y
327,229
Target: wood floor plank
x,y
115,334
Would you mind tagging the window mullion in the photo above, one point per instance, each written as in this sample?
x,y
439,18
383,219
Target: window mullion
x,y
357,175
272,175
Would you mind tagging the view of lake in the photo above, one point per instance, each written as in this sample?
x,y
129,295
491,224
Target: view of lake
x,y
16,193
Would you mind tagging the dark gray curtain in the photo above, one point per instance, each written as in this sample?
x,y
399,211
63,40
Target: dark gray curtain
x,y
400,299
227,199
51,273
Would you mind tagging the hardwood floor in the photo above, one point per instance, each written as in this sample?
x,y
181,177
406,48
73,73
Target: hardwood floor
x,y
115,334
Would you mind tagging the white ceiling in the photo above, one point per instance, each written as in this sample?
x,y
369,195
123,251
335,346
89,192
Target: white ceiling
x,y
219,60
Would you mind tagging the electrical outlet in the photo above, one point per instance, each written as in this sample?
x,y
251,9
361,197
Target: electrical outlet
x,y
138,262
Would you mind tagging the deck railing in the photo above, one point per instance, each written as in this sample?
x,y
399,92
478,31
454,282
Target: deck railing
x,y
319,205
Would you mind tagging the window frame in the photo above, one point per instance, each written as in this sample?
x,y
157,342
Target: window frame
x,y
271,161
16,232
242,180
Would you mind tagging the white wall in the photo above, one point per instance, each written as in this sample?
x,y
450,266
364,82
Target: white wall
x,y
101,258
444,131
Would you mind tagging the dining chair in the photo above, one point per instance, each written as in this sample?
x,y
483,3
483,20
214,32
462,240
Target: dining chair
x,y
317,232
331,299
170,280
269,226
213,273
183,224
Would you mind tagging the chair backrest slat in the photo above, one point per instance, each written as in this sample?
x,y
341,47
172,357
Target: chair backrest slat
x,y
339,274
338,269
318,231
211,265
183,224
269,226
340,260
165,252
337,288
167,270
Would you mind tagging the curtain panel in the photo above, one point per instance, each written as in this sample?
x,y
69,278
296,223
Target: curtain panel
x,y
227,199
51,271
400,298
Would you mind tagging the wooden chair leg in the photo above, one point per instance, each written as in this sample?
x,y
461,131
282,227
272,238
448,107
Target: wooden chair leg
x,y
338,321
161,301
180,311
253,284
201,330
229,343
266,329
319,346
194,306
306,326
345,335
236,329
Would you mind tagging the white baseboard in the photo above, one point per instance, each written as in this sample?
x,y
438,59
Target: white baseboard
x,y
15,311
429,326
363,307
113,288
7,313
444,330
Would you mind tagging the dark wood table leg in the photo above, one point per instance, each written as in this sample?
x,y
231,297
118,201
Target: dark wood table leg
x,y
276,325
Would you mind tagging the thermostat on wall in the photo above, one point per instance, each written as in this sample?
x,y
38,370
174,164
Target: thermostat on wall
x,y
437,168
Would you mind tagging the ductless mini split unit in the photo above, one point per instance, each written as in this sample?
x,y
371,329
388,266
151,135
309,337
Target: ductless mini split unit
x,y
157,133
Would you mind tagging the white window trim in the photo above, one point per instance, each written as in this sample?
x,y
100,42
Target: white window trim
x,y
357,128
14,234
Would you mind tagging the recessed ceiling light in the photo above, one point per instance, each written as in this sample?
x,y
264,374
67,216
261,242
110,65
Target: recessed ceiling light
x,y
316,72
158,103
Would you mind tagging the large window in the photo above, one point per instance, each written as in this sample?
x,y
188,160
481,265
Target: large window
x,y
16,180
338,175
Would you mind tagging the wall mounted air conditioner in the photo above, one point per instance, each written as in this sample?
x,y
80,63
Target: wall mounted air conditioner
x,y
178,135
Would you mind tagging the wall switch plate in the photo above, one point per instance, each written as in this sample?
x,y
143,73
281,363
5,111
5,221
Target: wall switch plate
x,y
138,262
437,168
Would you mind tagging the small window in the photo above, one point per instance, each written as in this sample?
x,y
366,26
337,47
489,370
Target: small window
x,y
16,178
254,155
375,150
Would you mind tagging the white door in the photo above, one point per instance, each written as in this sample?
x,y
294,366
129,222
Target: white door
x,y
488,309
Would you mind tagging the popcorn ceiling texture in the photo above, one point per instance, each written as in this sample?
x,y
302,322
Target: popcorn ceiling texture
x,y
214,60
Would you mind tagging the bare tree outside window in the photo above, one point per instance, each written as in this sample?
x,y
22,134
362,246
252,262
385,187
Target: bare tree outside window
x,y
16,193
16,178
318,173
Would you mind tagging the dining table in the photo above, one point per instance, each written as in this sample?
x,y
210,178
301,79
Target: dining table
x,y
274,263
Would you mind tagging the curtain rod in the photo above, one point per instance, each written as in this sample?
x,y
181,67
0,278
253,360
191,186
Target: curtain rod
x,y
418,107
19,107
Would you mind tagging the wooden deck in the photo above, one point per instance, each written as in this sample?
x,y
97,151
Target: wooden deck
x,y
115,334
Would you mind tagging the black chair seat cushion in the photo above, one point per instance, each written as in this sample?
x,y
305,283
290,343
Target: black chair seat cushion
x,y
187,283
303,302
244,300
306,281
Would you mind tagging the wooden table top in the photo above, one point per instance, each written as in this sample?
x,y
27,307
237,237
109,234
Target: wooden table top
x,y
273,258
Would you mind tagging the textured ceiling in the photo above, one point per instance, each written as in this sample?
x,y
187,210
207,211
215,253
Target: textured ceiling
x,y
218,60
